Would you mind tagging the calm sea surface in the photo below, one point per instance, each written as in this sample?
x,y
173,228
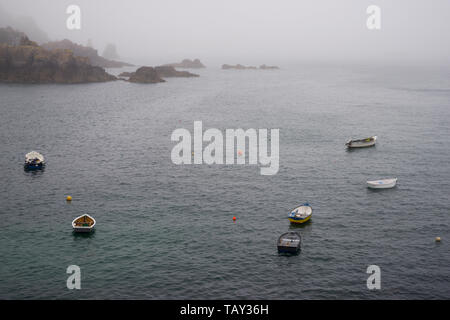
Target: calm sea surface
x,y
166,231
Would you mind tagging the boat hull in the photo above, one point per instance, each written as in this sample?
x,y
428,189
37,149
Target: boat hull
x,y
289,242
299,221
382,184
31,166
82,230
283,249
364,143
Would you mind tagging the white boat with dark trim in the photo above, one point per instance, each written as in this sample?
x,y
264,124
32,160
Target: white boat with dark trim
x,y
84,223
34,160
362,143
382,184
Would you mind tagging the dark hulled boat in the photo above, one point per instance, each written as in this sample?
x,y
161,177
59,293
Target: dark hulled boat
x,y
289,242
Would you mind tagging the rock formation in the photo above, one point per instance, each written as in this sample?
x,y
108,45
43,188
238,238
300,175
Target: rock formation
x,y
168,71
237,67
125,74
241,67
187,64
110,52
145,75
24,23
264,67
155,75
29,63
87,52
12,37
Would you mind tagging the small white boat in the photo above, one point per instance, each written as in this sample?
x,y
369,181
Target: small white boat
x,y
382,184
362,143
84,223
300,214
34,160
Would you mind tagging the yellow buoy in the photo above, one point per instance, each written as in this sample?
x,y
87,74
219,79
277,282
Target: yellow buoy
x,y
438,239
69,198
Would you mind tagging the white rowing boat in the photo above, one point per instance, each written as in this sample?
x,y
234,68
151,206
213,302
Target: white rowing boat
x,y
362,143
382,184
84,223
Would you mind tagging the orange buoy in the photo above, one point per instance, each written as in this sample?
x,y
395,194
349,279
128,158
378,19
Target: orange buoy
x,y
234,218
69,198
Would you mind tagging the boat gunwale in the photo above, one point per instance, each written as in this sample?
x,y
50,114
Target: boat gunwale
x,y
83,227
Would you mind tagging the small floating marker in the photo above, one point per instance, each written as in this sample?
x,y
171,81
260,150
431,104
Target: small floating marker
x,y
69,198
438,239
239,152
234,218
192,152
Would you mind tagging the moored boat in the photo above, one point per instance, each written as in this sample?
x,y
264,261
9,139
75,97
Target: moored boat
x,y
84,223
34,160
362,143
289,242
300,214
382,184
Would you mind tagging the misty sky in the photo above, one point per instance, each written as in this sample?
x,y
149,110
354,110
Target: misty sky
x,y
251,31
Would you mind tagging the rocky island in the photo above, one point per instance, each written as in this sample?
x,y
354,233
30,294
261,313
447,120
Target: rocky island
x,y
187,64
145,75
241,67
237,67
23,61
155,74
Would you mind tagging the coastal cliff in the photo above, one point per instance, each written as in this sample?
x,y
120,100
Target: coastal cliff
x,y
24,61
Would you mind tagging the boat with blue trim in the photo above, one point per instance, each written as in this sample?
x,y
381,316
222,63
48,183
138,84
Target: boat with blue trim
x,y
300,214
34,161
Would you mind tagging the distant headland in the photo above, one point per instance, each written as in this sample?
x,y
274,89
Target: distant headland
x,y
83,51
24,61
242,67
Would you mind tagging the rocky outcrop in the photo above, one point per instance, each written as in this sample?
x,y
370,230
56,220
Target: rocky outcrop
x,y
145,75
187,64
87,52
155,75
236,67
110,52
125,74
168,71
241,67
29,63
12,37
23,23
264,67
